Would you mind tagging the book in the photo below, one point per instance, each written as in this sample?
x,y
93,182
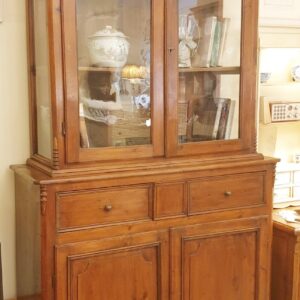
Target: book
x,y
216,44
221,116
204,120
203,55
224,32
223,120
230,120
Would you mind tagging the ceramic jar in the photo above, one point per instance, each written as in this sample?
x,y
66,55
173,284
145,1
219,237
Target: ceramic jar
x,y
108,48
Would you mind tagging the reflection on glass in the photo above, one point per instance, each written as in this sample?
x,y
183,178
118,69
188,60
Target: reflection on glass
x,y
42,79
114,72
209,69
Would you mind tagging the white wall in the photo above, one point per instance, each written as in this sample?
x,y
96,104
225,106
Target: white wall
x,y
280,139
14,129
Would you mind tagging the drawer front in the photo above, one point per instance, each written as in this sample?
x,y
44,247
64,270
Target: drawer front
x,y
226,192
103,206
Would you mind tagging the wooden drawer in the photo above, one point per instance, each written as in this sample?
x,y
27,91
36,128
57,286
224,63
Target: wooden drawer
x,y
103,206
226,192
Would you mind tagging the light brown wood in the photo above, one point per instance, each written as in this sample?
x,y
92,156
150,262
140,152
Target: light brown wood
x,y
247,141
35,297
73,151
171,77
226,192
57,83
223,70
285,282
170,199
249,46
128,267
220,261
104,206
65,17
169,184
159,221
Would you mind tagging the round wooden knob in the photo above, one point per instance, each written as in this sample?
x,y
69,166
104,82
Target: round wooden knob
x,y
108,207
228,193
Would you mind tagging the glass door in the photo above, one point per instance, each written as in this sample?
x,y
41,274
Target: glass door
x,y
213,69
40,81
114,62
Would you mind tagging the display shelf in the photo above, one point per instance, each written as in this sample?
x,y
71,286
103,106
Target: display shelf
x,y
227,70
211,5
291,83
99,69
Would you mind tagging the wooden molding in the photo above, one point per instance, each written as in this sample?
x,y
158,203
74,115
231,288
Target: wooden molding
x,y
43,200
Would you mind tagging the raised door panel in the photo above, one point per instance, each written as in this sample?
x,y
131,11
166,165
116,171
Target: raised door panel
x,y
127,267
225,261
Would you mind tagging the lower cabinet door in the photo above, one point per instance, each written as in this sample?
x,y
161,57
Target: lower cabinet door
x,y
221,261
133,267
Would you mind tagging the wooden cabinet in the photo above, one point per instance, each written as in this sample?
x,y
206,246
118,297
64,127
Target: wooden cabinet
x,y
138,236
104,89
144,181
285,259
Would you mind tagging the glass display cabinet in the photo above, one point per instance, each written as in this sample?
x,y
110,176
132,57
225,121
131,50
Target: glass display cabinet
x,y
144,178
141,79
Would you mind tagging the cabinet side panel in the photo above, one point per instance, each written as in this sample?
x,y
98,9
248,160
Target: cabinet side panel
x,y
282,265
28,237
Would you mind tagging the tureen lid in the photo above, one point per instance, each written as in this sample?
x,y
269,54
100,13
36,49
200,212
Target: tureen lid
x,y
108,31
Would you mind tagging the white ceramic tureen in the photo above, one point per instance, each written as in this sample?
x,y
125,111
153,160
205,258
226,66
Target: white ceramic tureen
x,y
108,48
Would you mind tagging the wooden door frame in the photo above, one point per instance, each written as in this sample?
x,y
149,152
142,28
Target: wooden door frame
x,y
76,154
56,84
247,124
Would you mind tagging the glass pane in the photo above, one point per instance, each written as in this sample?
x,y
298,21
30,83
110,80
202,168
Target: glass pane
x,y
42,79
209,70
114,72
